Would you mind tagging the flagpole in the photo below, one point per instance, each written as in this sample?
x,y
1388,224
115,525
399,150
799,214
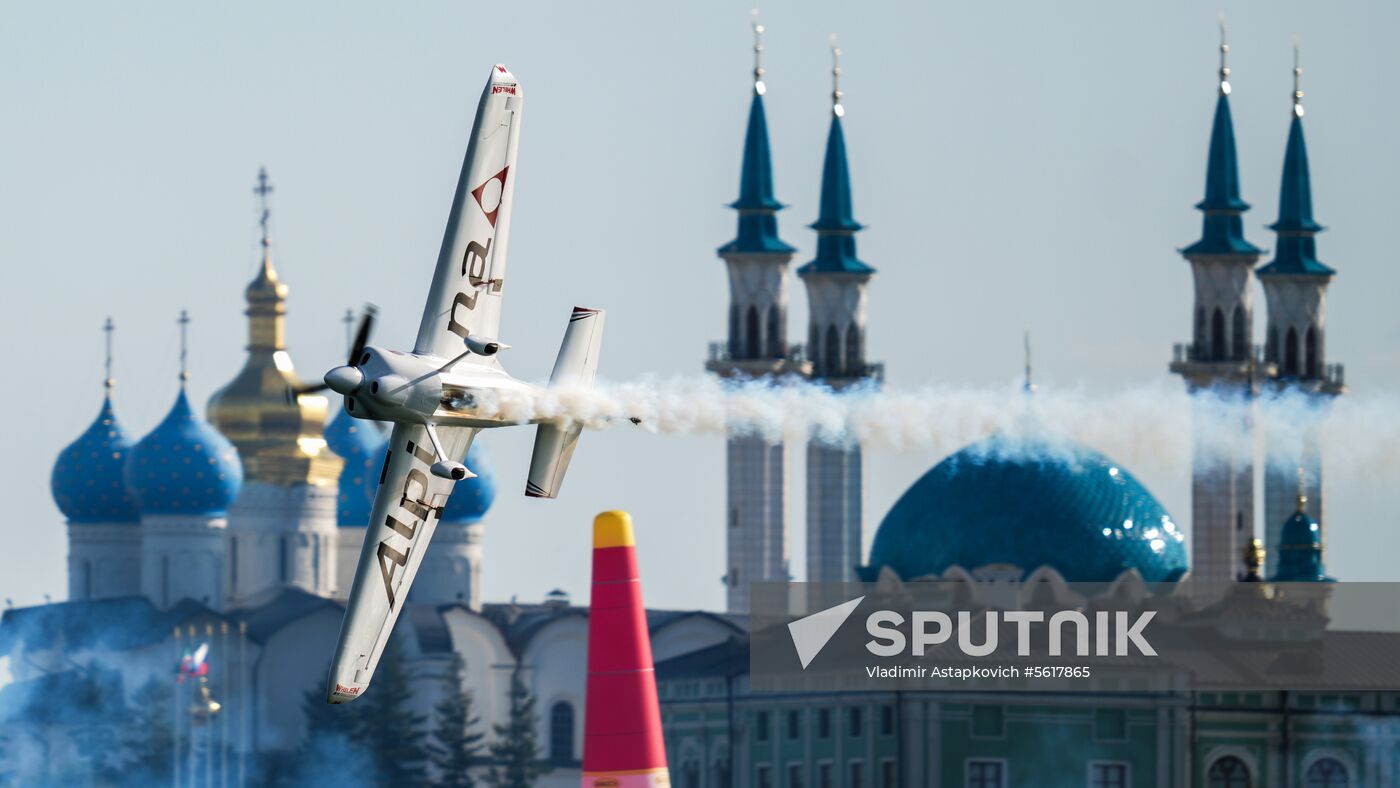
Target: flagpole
x,y
223,723
175,758
243,704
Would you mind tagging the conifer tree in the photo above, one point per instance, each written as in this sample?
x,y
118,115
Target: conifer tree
x,y
389,727
515,753
148,742
457,746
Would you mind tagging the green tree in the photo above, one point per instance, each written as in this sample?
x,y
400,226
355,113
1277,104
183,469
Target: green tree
x,y
389,727
457,746
148,742
515,753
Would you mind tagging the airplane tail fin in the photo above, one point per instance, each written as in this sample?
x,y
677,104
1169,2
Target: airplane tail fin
x,y
578,365
622,742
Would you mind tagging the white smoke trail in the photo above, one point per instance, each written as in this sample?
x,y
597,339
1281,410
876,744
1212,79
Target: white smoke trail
x,y
1359,434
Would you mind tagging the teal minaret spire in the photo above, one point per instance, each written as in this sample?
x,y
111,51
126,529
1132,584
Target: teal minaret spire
x,y
1221,358
757,262
757,207
836,299
1222,228
836,225
1295,288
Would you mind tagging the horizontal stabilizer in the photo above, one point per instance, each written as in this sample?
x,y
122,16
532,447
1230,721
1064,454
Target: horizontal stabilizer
x,y
577,365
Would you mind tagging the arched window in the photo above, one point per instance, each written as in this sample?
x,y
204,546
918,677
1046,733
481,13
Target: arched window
x,y
690,775
1310,353
1290,354
831,362
1326,773
561,732
1199,338
719,772
1229,772
1239,335
1217,335
734,343
1271,346
751,346
775,338
87,581
853,354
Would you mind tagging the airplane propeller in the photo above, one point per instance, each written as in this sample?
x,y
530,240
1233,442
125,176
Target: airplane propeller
x,y
357,347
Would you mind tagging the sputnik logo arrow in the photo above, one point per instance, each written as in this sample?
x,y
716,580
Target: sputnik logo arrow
x,y
811,634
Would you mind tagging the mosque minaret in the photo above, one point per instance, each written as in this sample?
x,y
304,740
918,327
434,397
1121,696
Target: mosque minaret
x,y
756,534
282,527
1295,289
836,301
1220,360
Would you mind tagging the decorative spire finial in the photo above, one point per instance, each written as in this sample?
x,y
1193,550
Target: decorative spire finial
x,y
349,321
1302,490
108,381
1224,57
262,190
1297,81
1029,386
184,323
836,108
758,87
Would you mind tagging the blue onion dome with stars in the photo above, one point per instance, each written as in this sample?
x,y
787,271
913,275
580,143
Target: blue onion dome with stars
x,y
184,467
471,498
361,445
1028,503
87,479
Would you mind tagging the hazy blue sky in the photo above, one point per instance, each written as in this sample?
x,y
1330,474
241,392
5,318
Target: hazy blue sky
x,y
1018,164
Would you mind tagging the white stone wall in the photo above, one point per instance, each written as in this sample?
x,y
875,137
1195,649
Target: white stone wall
x,y
1224,283
451,569
1297,303
348,541
282,537
104,560
756,519
183,557
837,300
759,281
1222,512
834,512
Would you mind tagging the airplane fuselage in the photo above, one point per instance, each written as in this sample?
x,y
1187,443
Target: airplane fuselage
x,y
414,388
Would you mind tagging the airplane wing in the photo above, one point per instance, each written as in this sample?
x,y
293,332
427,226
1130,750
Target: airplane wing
x,y
406,510
466,293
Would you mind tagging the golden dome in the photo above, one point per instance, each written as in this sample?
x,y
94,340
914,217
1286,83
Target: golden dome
x,y
281,442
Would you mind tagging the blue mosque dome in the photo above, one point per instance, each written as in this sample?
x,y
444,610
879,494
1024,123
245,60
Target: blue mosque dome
x,y
1044,503
472,497
87,480
1300,550
184,466
361,445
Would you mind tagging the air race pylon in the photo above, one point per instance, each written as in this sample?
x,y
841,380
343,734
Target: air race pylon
x,y
622,742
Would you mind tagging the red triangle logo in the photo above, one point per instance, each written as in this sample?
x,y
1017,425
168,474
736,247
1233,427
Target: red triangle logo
x,y
493,198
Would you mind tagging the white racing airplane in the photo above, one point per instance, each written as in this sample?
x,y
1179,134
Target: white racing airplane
x,y
432,395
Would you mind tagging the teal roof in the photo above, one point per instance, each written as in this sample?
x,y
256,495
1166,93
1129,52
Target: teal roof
x,y
1296,253
184,467
87,479
757,207
1029,503
1222,229
836,225
361,445
1300,551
